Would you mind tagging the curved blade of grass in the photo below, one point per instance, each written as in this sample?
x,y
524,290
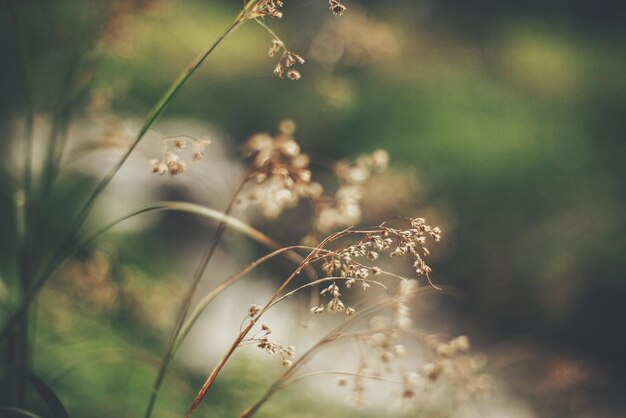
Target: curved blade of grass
x,y
151,118
48,396
20,411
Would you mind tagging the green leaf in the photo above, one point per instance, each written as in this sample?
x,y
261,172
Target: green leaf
x,y
48,396
19,411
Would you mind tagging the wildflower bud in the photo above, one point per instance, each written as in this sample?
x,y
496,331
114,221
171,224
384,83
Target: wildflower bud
x,y
287,127
293,75
275,47
287,363
336,7
317,309
445,350
278,70
290,60
380,159
158,166
460,344
290,147
386,357
432,371
253,310
180,143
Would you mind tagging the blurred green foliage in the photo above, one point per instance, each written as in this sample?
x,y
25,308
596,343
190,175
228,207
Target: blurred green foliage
x,y
516,128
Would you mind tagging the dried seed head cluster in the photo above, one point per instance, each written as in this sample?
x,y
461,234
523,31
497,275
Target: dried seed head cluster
x,y
288,60
343,263
454,363
381,354
335,304
262,8
283,178
280,171
412,241
336,7
400,305
262,340
344,209
254,310
171,162
384,344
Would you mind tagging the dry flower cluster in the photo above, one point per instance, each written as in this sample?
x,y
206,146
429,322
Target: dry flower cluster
x,y
288,59
262,340
170,161
279,170
345,209
336,7
283,178
383,356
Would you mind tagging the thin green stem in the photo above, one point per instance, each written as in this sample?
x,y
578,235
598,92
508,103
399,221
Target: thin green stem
x,y
152,117
235,344
202,305
186,302
20,341
19,411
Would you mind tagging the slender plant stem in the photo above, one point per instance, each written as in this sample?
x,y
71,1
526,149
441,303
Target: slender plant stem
x,y
290,254
152,117
19,411
186,302
20,343
279,383
333,336
216,370
338,373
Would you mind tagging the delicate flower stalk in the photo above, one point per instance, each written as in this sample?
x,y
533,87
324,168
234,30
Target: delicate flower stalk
x,y
457,366
288,58
186,302
171,162
211,378
336,7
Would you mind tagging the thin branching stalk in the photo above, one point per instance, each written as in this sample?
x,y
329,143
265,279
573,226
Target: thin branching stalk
x,y
279,383
19,411
335,335
186,302
216,370
339,373
324,280
202,305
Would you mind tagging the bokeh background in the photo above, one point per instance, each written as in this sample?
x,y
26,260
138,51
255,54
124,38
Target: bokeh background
x,y
505,123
